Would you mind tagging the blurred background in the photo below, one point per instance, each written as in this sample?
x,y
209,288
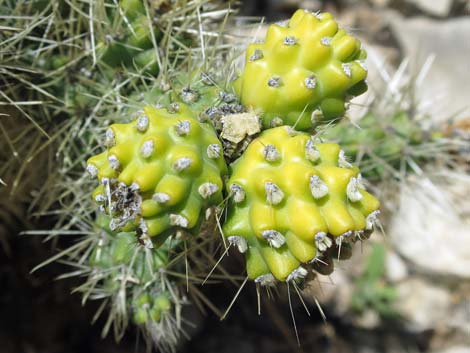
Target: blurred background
x,y
407,290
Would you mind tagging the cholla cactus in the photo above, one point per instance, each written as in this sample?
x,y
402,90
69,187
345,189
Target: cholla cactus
x,y
133,280
303,73
291,199
160,172
380,144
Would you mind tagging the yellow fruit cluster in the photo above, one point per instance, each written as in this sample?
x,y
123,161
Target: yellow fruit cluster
x,y
303,73
159,172
291,199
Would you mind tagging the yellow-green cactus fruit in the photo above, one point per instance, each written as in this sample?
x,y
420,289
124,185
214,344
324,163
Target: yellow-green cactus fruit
x,y
303,73
160,172
291,199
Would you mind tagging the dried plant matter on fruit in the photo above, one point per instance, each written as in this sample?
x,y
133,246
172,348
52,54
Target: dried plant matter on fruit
x,y
303,73
291,200
159,173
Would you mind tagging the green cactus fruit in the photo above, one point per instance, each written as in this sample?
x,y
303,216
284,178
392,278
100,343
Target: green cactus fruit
x,y
160,172
291,200
303,73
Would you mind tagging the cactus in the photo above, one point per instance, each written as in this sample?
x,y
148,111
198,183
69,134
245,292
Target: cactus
x,y
291,199
387,140
133,279
303,73
131,43
160,172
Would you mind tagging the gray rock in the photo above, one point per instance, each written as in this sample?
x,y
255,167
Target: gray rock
x,y
423,305
396,269
430,227
455,349
447,85
439,8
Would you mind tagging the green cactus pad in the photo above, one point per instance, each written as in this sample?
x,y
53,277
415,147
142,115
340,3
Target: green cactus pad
x,y
303,73
159,172
291,200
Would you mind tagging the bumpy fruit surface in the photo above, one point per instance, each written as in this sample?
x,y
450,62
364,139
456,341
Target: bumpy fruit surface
x,y
294,201
159,172
303,72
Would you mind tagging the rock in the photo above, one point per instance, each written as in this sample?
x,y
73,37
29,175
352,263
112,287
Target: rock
x,y
445,44
424,306
455,349
430,227
439,8
396,269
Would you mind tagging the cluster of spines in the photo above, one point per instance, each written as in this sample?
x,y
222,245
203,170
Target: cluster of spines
x,y
159,172
303,73
291,200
